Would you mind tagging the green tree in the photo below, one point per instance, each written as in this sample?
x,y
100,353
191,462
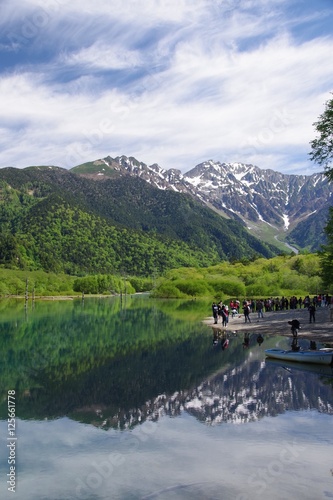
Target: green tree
x,y
327,255
8,249
322,153
322,145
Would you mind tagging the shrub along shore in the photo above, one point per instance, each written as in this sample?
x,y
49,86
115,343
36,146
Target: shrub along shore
x,y
18,283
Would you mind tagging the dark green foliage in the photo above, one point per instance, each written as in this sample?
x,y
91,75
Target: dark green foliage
x,y
55,220
74,241
8,249
134,203
322,145
327,255
56,236
322,154
305,235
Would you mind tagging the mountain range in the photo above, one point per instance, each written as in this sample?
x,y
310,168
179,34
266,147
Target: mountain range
x,y
273,206
120,215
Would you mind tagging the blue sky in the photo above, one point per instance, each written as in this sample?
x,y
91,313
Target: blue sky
x,y
173,82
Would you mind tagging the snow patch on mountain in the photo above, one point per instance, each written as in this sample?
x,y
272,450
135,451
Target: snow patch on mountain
x,y
286,221
239,190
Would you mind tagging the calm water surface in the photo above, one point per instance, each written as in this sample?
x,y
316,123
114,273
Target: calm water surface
x,y
131,400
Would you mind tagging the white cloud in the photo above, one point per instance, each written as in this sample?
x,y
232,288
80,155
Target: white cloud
x,y
101,56
173,86
148,12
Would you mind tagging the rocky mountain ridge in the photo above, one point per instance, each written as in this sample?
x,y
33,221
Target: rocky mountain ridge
x,y
234,395
270,204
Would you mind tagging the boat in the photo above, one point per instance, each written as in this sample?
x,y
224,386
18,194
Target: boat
x,y
323,370
320,357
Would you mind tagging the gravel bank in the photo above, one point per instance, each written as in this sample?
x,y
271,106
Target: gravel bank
x,y
276,323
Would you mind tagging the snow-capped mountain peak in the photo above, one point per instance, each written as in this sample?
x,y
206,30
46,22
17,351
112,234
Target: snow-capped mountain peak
x,y
237,190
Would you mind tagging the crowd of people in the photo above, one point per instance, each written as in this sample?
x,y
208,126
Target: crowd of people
x,y
221,310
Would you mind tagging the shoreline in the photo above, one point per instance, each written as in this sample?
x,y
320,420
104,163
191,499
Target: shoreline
x,y
276,323
273,322
55,297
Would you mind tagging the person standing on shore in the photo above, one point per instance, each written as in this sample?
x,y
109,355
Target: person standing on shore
x,y
215,311
312,311
246,311
226,315
260,306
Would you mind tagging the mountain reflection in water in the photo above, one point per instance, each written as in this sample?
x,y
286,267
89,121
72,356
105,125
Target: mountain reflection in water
x,y
132,399
115,367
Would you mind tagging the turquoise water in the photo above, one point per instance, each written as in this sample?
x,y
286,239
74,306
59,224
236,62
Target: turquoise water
x,y
132,399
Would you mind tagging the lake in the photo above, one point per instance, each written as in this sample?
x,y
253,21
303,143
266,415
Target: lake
x,y
131,398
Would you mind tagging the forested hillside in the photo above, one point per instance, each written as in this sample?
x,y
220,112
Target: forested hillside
x,y
306,233
55,220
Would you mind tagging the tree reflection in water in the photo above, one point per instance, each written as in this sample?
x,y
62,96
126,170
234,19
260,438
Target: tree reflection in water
x,y
102,365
